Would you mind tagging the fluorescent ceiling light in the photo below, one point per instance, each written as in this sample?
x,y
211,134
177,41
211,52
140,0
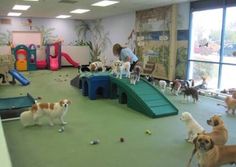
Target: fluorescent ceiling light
x,y
105,3
80,11
21,7
63,16
13,14
32,0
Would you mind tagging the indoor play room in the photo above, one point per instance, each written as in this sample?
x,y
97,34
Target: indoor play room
x,y
117,83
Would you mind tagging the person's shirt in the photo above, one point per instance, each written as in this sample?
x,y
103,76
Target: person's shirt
x,y
127,53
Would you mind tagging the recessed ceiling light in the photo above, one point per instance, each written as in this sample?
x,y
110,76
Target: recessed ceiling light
x,y
13,14
105,3
63,16
21,7
80,11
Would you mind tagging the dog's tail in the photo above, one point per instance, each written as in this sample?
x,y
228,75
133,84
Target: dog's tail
x,y
222,105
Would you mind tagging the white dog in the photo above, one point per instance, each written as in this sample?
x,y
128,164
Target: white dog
x,y
162,84
51,110
119,68
193,127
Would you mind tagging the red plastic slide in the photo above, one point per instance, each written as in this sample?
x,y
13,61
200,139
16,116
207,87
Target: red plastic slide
x,y
68,58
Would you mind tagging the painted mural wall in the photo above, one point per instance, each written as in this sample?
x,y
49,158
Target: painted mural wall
x,y
183,10
153,29
153,35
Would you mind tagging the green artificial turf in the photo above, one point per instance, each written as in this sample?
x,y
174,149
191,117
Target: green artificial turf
x,y
106,120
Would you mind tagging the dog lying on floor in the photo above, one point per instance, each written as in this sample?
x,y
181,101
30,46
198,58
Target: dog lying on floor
x,y
219,132
193,127
210,155
51,110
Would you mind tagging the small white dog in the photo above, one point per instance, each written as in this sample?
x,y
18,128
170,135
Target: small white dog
x,y
193,127
162,84
119,68
51,110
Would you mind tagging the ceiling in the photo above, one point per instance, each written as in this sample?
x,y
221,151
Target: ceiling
x,y
52,8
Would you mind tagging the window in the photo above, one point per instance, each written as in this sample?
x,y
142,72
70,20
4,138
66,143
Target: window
x,y
212,49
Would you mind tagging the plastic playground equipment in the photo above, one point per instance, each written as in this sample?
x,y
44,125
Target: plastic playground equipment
x,y
54,61
25,58
143,97
12,107
69,59
7,66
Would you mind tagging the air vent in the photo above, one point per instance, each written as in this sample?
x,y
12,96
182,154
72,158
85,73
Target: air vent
x,y
68,1
5,21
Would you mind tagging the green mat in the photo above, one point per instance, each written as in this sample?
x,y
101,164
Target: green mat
x,y
12,107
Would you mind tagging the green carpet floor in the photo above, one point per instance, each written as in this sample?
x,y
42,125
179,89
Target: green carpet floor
x,y
107,121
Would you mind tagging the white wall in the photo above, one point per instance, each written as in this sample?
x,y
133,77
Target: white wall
x,y
64,29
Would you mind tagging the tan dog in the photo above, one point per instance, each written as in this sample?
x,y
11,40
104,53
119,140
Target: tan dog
x,y
51,110
210,155
219,132
231,104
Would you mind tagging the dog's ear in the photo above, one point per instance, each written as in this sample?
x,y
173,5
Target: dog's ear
x,y
212,144
216,122
61,102
69,102
195,140
34,108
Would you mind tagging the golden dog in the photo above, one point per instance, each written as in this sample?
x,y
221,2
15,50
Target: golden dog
x,y
210,155
231,104
219,132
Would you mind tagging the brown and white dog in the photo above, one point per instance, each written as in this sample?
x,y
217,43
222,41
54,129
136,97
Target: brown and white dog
x,y
97,66
135,74
51,110
210,155
219,132
190,92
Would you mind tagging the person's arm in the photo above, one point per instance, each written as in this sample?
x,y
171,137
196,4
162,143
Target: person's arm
x,y
128,58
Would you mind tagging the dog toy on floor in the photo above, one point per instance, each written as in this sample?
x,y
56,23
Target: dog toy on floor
x,y
62,129
95,142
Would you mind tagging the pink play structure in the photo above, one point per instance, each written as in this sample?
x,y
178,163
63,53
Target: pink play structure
x,y
53,62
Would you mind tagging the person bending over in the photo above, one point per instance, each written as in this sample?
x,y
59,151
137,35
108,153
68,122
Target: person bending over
x,y
125,54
